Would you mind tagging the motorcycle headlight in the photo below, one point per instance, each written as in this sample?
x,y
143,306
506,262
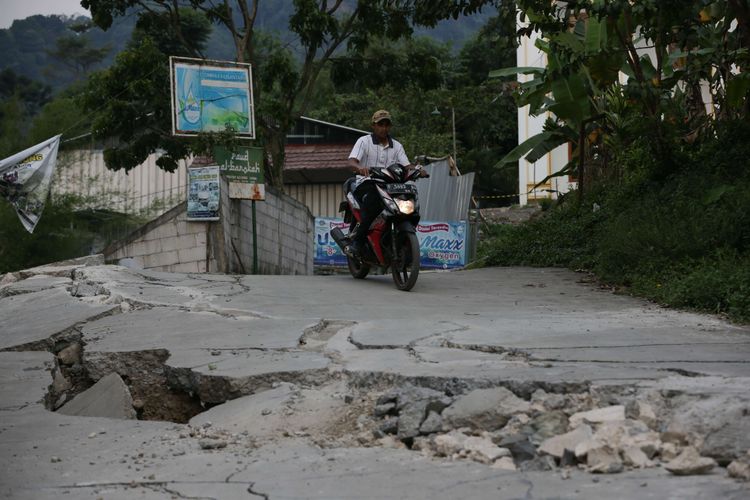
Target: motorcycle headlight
x,y
405,206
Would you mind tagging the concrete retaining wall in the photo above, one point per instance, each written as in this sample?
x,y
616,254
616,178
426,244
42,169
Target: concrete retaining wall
x,y
284,230
170,243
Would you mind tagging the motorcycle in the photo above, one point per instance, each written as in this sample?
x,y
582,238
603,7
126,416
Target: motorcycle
x,y
391,238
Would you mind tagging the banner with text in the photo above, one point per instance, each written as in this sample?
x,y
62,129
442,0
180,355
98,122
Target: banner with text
x,y
25,179
203,193
442,244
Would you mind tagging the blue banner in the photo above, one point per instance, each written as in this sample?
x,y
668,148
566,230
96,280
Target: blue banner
x,y
327,252
442,244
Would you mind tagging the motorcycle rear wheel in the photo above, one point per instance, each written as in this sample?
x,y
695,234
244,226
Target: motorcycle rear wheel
x,y
405,267
357,268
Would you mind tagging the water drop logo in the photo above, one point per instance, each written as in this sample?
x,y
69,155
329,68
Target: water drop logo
x,y
192,109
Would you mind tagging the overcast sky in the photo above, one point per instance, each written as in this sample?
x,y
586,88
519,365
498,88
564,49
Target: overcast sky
x,y
21,9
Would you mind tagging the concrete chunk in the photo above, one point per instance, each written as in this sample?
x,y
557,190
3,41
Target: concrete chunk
x,y
486,409
690,462
109,398
557,445
599,415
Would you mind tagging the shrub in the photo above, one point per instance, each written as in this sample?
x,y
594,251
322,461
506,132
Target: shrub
x,y
682,240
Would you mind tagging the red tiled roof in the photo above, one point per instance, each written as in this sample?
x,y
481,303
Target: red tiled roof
x,y
317,156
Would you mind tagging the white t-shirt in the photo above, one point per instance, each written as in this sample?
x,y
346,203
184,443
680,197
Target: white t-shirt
x,y
371,153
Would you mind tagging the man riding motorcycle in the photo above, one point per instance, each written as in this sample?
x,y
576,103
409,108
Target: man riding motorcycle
x,y
378,149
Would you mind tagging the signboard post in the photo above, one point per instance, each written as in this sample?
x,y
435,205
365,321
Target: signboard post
x,y
243,169
217,96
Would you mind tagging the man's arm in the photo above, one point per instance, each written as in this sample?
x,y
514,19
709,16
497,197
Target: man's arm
x,y
355,156
357,168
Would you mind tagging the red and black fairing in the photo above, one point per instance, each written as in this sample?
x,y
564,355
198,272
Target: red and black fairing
x,y
400,214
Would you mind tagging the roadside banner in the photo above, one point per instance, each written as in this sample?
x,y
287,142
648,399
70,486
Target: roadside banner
x,y
209,96
242,167
25,180
327,252
442,244
203,193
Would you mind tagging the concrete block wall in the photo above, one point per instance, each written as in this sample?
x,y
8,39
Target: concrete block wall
x,y
285,235
168,243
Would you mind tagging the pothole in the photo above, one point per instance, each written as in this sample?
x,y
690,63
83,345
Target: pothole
x,y
143,372
512,425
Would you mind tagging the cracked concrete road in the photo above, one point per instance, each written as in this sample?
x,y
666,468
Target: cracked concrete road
x,y
283,367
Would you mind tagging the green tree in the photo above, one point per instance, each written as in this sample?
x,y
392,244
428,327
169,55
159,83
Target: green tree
x,y
77,54
587,43
320,28
130,100
414,78
32,94
20,99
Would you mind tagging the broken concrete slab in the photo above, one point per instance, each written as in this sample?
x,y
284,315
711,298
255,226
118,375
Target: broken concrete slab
x,y
286,410
725,435
24,378
36,316
34,284
604,459
556,446
172,326
740,468
484,409
108,398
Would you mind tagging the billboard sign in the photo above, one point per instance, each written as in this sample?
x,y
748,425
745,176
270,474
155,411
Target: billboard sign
x,y
209,96
442,244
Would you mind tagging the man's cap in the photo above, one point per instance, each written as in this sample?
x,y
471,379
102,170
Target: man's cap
x,y
380,115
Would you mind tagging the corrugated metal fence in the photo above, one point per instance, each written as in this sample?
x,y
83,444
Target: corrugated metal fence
x,y
145,190
442,197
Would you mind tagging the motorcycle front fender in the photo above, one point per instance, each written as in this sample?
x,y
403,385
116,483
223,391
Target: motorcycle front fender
x,y
406,226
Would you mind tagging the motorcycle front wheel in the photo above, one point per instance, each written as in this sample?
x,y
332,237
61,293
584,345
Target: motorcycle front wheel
x,y
357,268
405,266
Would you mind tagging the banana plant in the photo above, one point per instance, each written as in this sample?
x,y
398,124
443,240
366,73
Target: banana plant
x,y
578,67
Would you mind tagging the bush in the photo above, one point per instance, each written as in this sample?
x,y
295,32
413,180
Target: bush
x,y
62,233
682,240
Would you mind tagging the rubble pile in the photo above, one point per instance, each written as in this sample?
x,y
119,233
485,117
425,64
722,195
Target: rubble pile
x,y
551,431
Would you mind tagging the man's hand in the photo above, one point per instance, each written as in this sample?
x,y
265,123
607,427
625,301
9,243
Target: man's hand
x,y
357,168
422,171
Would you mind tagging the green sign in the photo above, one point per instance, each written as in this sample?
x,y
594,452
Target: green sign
x,y
243,169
